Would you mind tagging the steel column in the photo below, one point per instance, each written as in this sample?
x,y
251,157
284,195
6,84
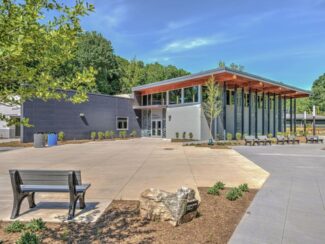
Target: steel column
x,y
224,109
291,117
274,113
250,112
235,112
263,113
268,114
242,111
280,113
295,116
256,113
285,114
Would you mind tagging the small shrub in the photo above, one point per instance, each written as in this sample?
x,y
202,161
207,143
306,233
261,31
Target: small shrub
x,y
190,135
219,185
234,194
243,187
61,136
112,134
100,135
93,135
15,226
122,133
36,225
279,134
229,136
238,136
177,135
133,133
270,135
28,238
286,133
107,134
184,135
213,191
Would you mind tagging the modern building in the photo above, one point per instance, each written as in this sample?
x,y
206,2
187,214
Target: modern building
x,y
251,105
11,131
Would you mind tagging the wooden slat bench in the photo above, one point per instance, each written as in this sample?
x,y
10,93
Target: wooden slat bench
x,y
251,140
25,183
264,140
281,139
293,139
313,139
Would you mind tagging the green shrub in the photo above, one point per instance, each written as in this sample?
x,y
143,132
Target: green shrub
x,y
270,135
15,226
177,135
279,134
243,187
238,136
133,133
28,238
190,135
1,241
93,135
100,135
184,135
286,133
229,136
36,225
219,185
213,191
107,134
112,134
122,133
234,194
61,136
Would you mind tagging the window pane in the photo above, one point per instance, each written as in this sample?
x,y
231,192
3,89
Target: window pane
x,y
122,123
156,99
191,94
175,96
145,100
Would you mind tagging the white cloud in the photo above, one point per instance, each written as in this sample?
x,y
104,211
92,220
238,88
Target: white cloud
x,y
116,14
188,44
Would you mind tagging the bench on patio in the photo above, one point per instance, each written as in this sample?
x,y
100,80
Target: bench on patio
x,y
281,139
264,140
313,139
25,183
293,139
251,140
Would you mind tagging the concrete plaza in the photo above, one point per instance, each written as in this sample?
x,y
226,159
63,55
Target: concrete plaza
x,y
122,169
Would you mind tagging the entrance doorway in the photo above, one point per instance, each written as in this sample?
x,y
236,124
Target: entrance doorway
x,y
156,128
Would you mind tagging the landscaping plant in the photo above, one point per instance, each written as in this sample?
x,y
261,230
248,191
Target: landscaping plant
x,y
177,135
36,225
214,190
190,135
229,136
234,194
122,133
243,187
238,136
28,238
270,135
61,136
184,135
107,134
219,185
14,227
100,135
93,135
112,134
133,133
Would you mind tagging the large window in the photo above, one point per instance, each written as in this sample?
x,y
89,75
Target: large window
x,y
146,100
191,94
121,123
175,96
159,98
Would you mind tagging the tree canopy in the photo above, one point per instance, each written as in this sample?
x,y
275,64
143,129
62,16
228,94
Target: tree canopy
x,y
33,48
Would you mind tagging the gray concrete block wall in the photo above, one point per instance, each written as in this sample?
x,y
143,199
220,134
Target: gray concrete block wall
x,y
100,115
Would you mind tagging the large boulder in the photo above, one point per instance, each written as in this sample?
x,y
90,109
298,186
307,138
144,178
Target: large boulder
x,y
176,208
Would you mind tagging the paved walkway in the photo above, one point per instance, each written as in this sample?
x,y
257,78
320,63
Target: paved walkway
x,y
290,208
122,170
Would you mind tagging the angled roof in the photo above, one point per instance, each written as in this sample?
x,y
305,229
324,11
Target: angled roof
x,y
217,71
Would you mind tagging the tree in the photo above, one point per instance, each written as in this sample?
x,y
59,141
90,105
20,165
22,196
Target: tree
x,y
212,105
318,93
34,47
132,74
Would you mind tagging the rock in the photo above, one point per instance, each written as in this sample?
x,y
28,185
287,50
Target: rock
x,y
176,208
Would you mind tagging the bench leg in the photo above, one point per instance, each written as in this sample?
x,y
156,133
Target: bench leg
x,y
18,199
72,208
82,203
31,200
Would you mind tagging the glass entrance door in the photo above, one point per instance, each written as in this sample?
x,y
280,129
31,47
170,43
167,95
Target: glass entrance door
x,y
156,128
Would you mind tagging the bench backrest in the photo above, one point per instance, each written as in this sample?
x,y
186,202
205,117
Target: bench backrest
x,y
291,137
262,137
46,177
249,138
281,138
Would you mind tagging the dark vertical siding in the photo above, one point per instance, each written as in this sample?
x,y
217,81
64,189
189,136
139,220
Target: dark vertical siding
x,y
100,115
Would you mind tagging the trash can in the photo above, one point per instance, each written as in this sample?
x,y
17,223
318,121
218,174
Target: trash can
x,y
52,139
39,140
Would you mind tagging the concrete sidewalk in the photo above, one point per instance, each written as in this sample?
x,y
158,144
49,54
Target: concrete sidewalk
x,y
290,207
122,170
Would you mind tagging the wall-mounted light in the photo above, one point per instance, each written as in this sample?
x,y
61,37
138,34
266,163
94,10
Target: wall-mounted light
x,y
82,115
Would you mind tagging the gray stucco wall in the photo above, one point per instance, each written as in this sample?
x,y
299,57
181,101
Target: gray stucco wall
x,y
100,115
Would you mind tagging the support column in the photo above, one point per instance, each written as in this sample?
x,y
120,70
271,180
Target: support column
x,y
291,117
256,113
274,113
285,114
280,113
250,112
242,112
268,113
263,113
224,109
235,112
294,116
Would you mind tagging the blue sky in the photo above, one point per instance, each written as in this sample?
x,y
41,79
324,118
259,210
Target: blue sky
x,y
281,40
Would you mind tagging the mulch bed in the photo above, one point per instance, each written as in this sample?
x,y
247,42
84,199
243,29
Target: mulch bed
x,y
121,223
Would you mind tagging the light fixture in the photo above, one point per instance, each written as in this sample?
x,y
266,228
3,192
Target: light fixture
x,y
82,115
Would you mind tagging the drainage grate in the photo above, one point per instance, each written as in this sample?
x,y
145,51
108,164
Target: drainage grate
x,y
169,148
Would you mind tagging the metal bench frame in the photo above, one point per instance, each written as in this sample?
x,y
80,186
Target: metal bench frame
x,y
72,183
281,139
251,140
293,139
314,139
264,140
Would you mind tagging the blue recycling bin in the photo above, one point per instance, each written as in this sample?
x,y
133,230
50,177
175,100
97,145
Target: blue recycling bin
x,y
52,139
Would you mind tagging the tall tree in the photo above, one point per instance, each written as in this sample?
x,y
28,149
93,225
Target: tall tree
x,y
318,93
212,105
33,50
